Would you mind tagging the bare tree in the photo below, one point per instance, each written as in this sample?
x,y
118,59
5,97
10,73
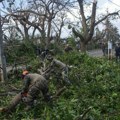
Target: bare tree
x,y
37,17
51,9
88,27
59,23
19,20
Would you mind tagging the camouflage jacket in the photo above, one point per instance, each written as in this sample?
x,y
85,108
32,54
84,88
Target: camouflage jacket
x,y
31,79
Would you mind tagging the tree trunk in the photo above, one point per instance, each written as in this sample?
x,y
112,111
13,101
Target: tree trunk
x,y
83,47
26,33
48,34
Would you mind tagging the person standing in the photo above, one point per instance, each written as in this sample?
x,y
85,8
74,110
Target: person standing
x,y
103,48
117,52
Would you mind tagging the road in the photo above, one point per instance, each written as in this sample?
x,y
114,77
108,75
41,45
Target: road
x,y
98,53
95,53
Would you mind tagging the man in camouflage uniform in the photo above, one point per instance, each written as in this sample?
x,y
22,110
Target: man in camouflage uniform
x,y
68,48
55,66
34,83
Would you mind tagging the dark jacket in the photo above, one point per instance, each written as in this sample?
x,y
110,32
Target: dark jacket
x,y
117,51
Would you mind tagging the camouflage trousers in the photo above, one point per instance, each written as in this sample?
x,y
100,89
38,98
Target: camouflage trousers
x,y
65,75
31,96
34,91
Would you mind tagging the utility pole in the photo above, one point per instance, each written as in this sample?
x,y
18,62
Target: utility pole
x,y
107,37
109,42
3,73
1,70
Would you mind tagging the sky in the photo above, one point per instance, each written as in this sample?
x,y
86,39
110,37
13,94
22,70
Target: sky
x,y
111,5
103,6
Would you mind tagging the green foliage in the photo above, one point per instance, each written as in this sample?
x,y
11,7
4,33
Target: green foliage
x,y
71,41
95,83
56,47
20,52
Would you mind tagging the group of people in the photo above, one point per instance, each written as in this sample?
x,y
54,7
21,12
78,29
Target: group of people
x,y
117,51
36,83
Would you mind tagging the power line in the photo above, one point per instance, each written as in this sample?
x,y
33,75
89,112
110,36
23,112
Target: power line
x,y
114,3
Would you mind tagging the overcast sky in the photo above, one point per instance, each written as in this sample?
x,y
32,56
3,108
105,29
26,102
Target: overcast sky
x,y
111,5
103,5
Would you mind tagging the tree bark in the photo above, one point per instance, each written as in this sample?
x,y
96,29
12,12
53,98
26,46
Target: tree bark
x,y
83,47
